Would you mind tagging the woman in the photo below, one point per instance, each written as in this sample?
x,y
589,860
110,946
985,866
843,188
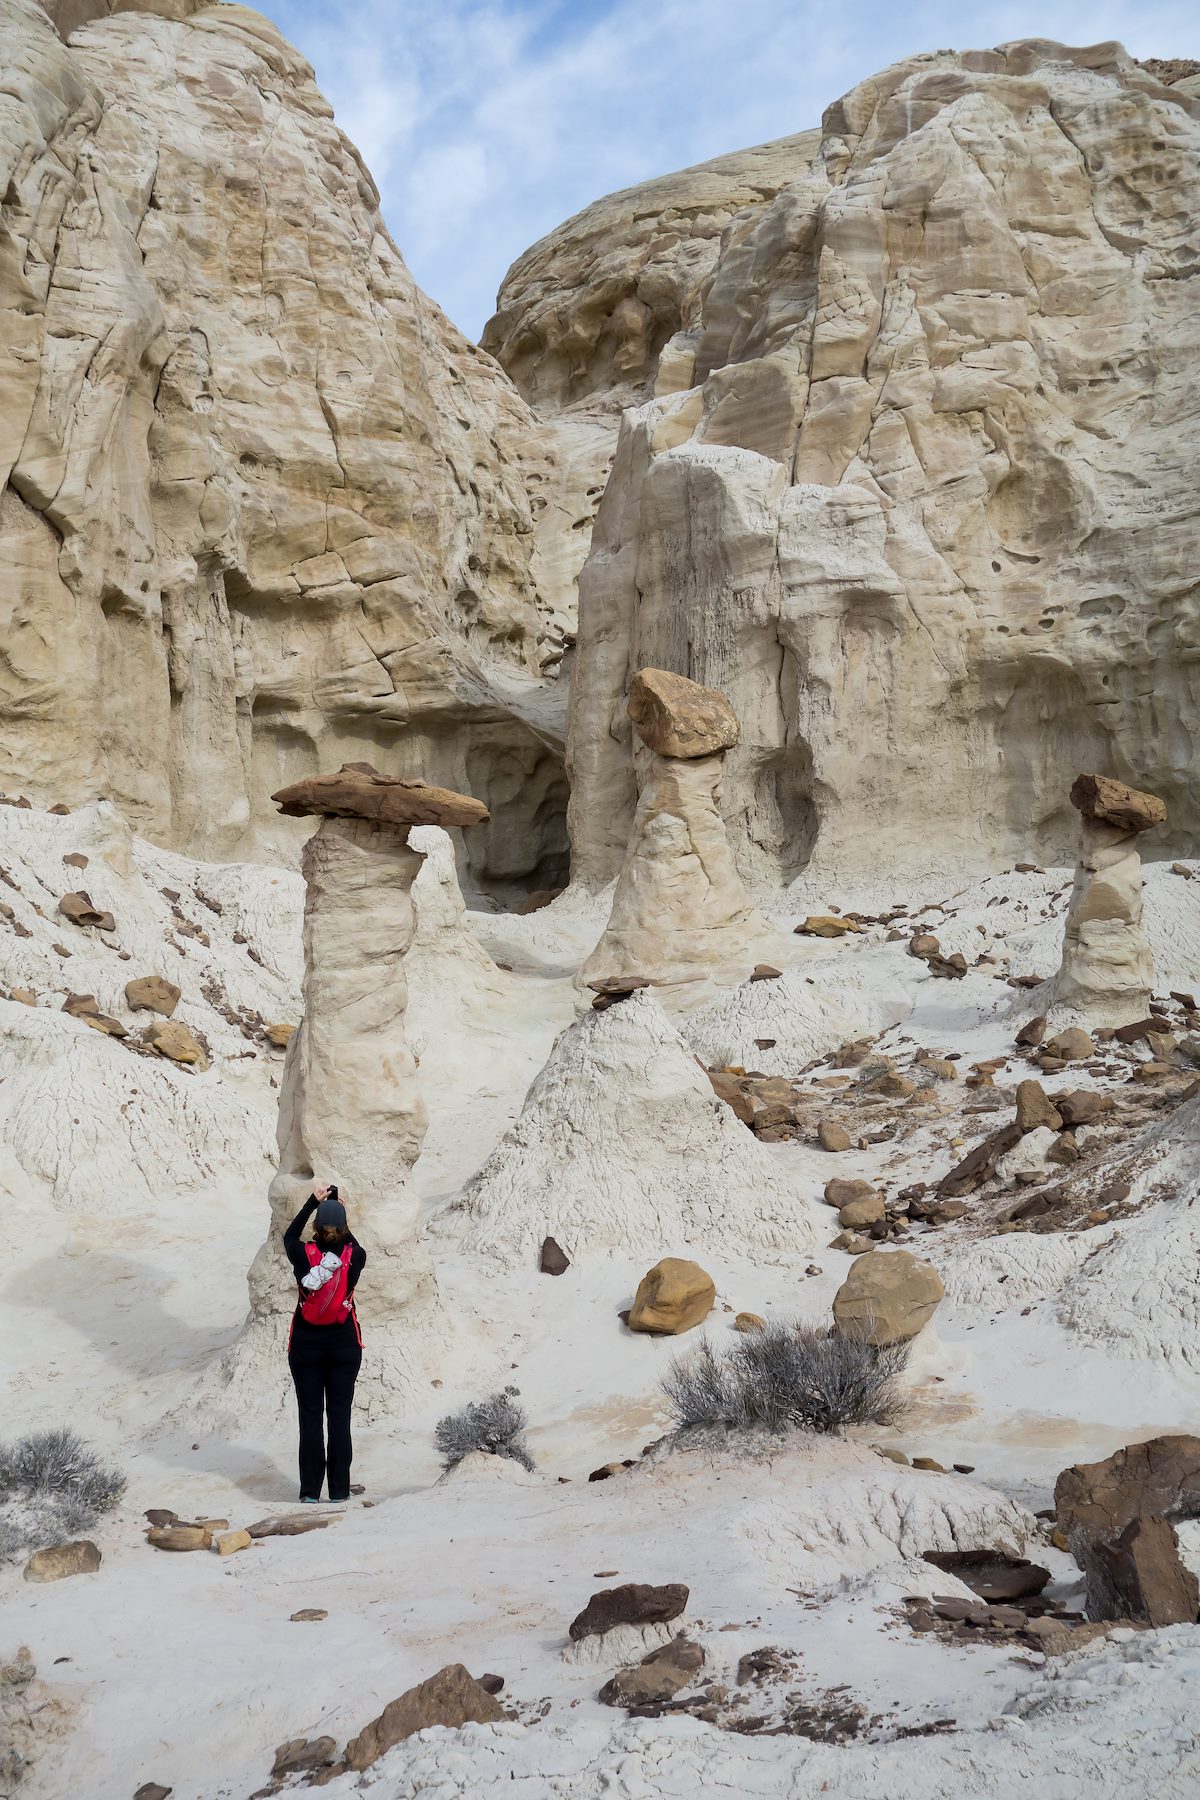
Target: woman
x,y
325,1345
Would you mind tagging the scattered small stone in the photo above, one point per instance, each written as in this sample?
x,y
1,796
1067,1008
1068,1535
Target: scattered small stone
x,y
228,1543
175,1040
553,1259
766,972
491,1684
80,910
309,1615
929,1465
748,1321
178,1537
153,1790
281,1035
75,859
299,1755
1071,1045
896,1456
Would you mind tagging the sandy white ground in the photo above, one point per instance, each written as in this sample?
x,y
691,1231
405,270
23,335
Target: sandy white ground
x,y
124,1277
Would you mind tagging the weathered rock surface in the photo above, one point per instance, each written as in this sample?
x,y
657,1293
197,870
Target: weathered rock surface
x,y
911,449
621,1141
674,1296
254,477
680,912
1157,1478
61,1560
359,791
633,1603
1107,969
1140,1575
677,717
152,993
658,1676
887,1297
350,1108
452,1697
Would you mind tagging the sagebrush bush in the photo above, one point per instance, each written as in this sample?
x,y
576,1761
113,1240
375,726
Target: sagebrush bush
x,y
788,1377
52,1486
495,1425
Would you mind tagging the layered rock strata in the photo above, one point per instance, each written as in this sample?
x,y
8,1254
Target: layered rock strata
x,y
1107,970
920,504
262,507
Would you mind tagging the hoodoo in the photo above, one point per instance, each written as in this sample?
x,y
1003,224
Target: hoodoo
x,y
350,1109
1107,968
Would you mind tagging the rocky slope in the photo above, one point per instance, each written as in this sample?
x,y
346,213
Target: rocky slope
x,y
264,506
915,491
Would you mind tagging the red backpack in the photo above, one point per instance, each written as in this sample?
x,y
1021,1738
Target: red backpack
x,y
328,1304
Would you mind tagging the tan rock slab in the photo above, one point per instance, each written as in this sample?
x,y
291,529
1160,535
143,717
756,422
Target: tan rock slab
x,y
179,1537
748,1321
1160,1475
840,1191
451,1698
1035,1108
828,925
887,1297
858,1213
1071,1045
677,717
175,1040
832,1136
60,1560
152,993
1110,802
228,1543
673,1297
359,791
280,1035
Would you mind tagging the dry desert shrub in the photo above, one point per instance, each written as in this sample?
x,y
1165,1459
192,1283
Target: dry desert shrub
x,y
495,1426
788,1377
52,1486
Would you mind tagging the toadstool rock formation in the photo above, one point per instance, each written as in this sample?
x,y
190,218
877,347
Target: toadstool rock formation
x,y
1107,969
679,911
350,1110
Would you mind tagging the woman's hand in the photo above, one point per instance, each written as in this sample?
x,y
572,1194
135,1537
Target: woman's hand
x,y
321,1193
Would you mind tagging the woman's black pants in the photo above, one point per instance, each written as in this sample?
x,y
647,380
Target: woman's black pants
x,y
324,1360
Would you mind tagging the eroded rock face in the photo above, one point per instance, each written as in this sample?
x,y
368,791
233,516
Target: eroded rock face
x,y
1157,1478
254,477
680,912
899,486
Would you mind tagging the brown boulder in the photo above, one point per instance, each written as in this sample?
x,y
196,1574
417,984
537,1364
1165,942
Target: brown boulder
x,y
748,1321
658,1677
83,1006
280,1035
359,791
452,1697
61,1560
1110,802
732,1089
832,1136
1156,1478
553,1259
179,1537
857,1213
765,972
174,1039
81,910
1034,1107
152,993
1140,1576
677,717
1071,1045
673,1297
887,1297
991,1574
1083,1106
979,1164
1032,1032
633,1603
840,1191
923,945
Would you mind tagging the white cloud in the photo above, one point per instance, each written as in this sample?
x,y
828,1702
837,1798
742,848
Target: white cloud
x,y
487,122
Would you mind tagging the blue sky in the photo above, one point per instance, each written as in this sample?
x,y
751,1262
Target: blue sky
x,y
487,122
